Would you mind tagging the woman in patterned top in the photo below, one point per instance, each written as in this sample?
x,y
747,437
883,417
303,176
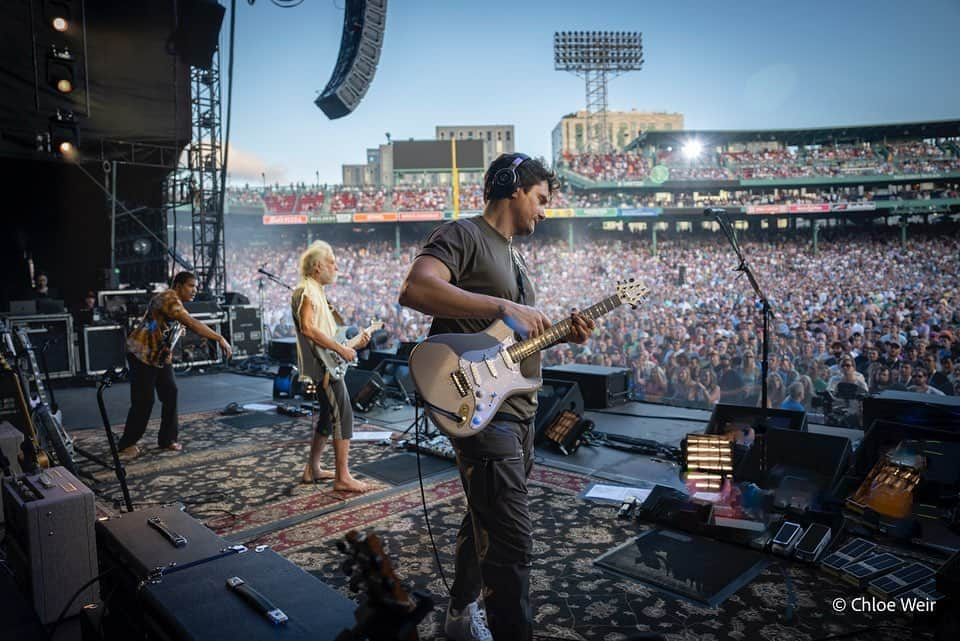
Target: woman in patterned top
x,y
149,358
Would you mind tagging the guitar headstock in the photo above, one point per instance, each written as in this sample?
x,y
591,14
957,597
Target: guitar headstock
x,y
632,293
387,611
369,569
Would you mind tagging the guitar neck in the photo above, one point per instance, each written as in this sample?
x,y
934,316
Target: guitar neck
x,y
523,349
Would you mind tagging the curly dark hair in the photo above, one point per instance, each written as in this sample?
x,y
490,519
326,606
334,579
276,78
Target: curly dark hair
x,y
530,172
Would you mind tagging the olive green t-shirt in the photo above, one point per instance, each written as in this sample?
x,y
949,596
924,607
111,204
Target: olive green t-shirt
x,y
483,261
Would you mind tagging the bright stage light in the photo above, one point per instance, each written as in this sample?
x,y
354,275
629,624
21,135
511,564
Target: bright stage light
x,y
59,24
64,85
692,149
67,150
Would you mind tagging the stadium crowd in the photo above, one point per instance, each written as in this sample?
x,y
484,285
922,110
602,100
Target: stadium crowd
x,y
915,157
862,311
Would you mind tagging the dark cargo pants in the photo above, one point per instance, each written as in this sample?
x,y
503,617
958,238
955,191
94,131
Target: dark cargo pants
x,y
495,542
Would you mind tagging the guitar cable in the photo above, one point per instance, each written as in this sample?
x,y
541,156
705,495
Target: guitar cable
x,y
423,494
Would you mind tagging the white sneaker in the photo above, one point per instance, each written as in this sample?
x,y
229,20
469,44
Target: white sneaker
x,y
469,625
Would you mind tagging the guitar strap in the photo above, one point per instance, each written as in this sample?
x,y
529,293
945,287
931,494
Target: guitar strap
x,y
337,318
518,271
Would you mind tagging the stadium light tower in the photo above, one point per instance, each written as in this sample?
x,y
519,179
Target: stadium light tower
x,y
595,56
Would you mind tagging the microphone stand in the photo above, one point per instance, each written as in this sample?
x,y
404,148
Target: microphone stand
x,y
743,267
275,279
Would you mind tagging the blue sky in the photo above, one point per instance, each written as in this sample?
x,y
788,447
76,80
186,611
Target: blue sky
x,y
739,64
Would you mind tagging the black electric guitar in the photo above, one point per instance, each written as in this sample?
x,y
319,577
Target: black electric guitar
x,y
387,612
51,431
463,379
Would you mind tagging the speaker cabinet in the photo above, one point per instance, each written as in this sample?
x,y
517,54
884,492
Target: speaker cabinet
x,y
602,387
364,388
103,347
363,25
198,28
555,396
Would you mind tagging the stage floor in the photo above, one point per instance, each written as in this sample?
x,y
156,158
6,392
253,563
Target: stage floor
x,y
242,481
213,391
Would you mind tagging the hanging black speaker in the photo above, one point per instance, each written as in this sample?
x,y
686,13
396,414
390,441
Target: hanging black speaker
x,y
198,29
363,25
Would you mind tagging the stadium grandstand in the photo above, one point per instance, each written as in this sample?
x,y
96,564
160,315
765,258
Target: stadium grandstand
x,y
877,204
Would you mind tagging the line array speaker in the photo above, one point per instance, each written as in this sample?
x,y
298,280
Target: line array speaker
x,y
363,25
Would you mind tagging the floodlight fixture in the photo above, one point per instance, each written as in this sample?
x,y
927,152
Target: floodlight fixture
x,y
59,23
611,51
692,149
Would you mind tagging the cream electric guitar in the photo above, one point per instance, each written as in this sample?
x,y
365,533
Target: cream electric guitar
x,y
333,362
463,379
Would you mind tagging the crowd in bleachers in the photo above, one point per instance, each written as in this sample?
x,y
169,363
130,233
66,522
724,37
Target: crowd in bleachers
x,y
894,313
814,161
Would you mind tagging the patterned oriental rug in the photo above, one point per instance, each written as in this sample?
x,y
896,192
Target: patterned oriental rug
x,y
232,479
572,599
243,483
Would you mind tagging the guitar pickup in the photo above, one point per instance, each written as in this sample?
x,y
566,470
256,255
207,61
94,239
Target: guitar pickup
x,y
491,368
460,382
475,371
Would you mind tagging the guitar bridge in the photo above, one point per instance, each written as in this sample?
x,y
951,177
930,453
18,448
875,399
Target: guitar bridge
x,y
460,382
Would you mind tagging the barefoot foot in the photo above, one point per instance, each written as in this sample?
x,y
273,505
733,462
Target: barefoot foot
x,y
350,484
315,476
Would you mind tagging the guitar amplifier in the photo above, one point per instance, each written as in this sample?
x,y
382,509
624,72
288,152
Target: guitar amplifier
x,y
244,330
55,331
138,545
102,347
50,540
196,603
602,387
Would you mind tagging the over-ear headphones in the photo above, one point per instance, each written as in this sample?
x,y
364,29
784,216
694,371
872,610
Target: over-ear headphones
x,y
506,180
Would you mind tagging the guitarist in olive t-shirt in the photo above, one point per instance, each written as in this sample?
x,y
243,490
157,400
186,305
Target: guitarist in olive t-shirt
x,y
467,275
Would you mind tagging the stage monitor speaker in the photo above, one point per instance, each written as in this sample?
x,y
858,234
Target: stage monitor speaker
x,y
364,388
198,29
822,456
601,387
360,44
912,408
555,396
283,349
103,347
235,298
727,417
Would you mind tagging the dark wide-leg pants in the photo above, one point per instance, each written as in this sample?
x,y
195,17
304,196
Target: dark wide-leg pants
x,y
144,381
495,542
